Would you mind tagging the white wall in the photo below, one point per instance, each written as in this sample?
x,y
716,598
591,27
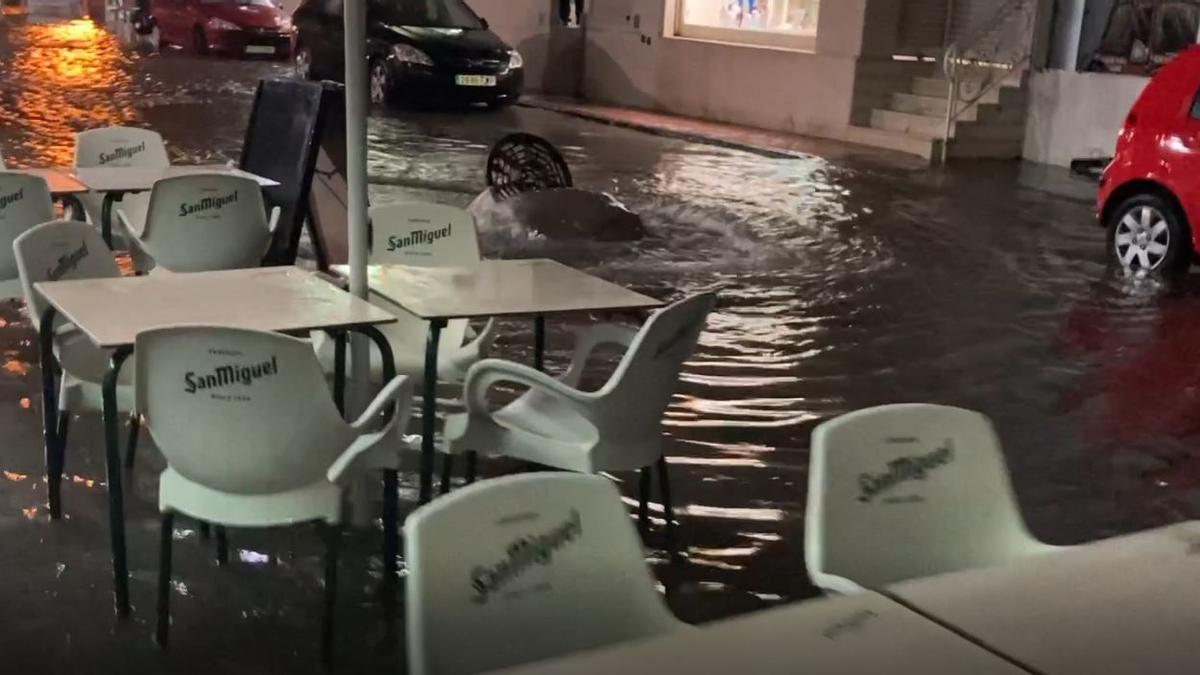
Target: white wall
x,y
1076,115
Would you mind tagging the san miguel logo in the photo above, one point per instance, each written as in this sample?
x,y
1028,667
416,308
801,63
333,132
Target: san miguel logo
x,y
418,238
67,262
207,204
10,199
522,554
227,376
903,470
121,153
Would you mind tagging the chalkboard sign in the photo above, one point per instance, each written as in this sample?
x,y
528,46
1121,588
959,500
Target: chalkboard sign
x,y
281,144
328,210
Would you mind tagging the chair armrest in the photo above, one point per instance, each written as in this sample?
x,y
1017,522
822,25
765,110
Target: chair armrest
x,y
397,393
588,339
490,372
273,220
480,344
377,450
134,235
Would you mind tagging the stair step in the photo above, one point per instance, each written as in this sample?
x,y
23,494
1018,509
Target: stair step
x,y
940,88
894,140
926,126
931,106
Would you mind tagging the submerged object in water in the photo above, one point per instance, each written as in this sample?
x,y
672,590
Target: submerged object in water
x,y
559,214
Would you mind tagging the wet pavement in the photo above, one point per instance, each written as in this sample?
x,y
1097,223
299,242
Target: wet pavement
x,y
848,279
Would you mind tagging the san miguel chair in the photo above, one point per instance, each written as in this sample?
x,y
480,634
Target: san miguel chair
x,y
253,439
202,223
616,428
116,147
905,491
25,201
524,568
57,251
424,235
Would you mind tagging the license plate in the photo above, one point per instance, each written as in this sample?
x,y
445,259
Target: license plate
x,y
476,80
259,49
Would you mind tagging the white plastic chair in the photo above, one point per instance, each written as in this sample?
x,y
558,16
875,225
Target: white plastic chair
x,y
524,568
617,428
906,491
252,438
202,222
116,147
24,202
61,250
423,235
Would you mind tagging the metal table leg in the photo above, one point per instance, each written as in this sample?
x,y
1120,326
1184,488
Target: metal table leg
x,y
54,448
539,342
116,497
391,485
429,408
106,208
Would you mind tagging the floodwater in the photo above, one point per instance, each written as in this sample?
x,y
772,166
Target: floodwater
x,y
847,279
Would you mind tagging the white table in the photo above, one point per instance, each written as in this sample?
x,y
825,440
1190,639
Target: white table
x,y
491,288
111,312
116,181
1129,605
62,182
853,635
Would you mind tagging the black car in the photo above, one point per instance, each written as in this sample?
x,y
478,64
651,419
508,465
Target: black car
x,y
419,51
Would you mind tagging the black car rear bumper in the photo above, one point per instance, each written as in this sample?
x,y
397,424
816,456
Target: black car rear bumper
x,y
439,86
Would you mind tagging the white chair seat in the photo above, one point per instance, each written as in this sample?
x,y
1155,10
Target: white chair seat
x,y
320,501
537,427
84,367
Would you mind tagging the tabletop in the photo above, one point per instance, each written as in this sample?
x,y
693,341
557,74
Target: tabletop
x,y
852,635
498,288
60,181
1129,605
113,311
134,179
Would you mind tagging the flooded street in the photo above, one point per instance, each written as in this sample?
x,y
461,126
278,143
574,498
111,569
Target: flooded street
x,y
847,280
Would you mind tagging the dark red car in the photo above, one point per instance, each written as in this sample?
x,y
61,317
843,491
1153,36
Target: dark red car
x,y
1150,193
239,27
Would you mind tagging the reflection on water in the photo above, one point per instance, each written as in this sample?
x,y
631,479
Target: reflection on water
x,y
844,283
59,78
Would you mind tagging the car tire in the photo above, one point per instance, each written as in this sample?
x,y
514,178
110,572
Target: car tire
x,y
199,41
1148,234
380,81
302,63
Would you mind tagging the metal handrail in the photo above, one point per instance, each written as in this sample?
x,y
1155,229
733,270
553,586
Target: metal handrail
x,y
955,57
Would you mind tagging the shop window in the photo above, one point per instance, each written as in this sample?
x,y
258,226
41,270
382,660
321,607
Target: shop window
x,y
789,24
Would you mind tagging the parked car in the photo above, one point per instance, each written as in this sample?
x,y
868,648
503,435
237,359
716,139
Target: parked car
x,y
241,27
419,52
1150,193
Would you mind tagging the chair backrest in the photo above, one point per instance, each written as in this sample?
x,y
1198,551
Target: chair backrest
x,y
906,491
423,235
205,222
523,568
120,146
24,202
238,411
57,251
641,387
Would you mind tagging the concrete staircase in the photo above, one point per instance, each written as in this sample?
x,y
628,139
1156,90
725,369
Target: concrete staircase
x,y
914,121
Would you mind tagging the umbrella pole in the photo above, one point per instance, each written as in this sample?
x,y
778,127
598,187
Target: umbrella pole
x,y
355,18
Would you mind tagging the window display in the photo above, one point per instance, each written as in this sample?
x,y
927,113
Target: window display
x,y
776,23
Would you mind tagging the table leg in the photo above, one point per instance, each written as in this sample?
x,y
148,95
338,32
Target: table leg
x,y
116,497
391,486
539,342
106,208
339,370
429,408
54,449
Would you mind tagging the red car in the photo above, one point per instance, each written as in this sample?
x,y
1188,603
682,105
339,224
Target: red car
x,y
1150,193
241,27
